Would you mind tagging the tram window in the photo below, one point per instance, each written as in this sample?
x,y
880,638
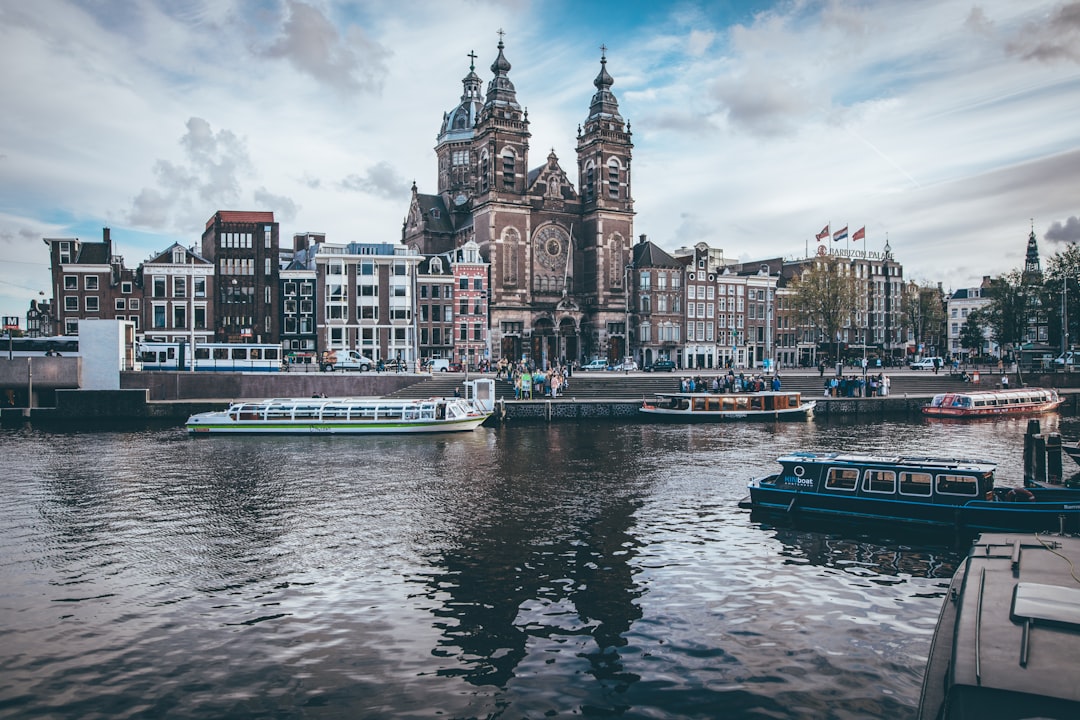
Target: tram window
x,y
256,354
957,485
239,354
271,353
879,481
202,353
915,483
221,353
842,479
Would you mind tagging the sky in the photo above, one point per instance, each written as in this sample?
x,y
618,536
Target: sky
x,y
946,128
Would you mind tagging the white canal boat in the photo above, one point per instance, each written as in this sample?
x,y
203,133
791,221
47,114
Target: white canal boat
x,y
350,415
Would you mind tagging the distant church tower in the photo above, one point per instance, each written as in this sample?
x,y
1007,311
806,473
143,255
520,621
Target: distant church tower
x,y
558,259
1038,328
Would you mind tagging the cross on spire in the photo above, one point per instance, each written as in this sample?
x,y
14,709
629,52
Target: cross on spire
x,y
500,34
603,50
472,61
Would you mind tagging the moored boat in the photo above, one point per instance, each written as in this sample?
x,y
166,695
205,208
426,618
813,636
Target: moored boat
x,y
992,403
712,407
352,416
1006,639
915,493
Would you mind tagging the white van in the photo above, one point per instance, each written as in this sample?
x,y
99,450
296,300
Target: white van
x,y
347,360
927,363
439,365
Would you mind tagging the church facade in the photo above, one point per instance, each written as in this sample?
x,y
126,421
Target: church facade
x,y
559,247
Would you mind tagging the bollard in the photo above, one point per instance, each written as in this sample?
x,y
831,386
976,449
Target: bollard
x,y
1029,449
1053,458
1039,453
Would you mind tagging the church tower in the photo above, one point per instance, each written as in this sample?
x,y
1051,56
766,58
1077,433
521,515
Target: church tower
x,y
454,147
604,151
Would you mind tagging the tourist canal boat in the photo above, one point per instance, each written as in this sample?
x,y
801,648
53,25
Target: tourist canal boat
x,y
1006,639
712,407
915,493
992,403
343,415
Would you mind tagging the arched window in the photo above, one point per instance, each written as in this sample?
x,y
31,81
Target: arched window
x,y
485,169
511,242
618,261
590,183
613,174
508,171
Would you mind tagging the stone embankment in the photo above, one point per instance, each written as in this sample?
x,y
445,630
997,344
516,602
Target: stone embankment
x,y
172,397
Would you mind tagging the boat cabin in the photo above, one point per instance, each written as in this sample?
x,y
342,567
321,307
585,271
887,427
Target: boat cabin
x,y
924,480
344,410
748,402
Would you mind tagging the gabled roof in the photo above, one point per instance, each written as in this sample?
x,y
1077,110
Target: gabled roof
x,y
648,255
165,257
94,253
437,218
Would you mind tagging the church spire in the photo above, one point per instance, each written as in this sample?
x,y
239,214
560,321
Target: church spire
x,y
604,103
1032,268
500,90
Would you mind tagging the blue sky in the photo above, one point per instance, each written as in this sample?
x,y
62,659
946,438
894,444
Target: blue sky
x,y
948,127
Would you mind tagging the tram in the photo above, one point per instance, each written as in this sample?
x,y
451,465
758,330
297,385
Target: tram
x,y
19,347
209,357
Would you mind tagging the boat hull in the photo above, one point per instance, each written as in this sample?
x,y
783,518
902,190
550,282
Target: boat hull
x,y
950,412
798,413
326,428
969,518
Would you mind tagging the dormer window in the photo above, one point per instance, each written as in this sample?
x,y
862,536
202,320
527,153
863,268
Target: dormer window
x,y
178,256
434,212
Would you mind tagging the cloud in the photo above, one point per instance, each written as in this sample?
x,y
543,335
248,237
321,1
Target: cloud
x,y
284,208
312,44
380,180
1054,37
760,105
188,192
1067,233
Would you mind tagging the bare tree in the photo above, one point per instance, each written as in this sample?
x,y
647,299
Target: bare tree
x,y
825,297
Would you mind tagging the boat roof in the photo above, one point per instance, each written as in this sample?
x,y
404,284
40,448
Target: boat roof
x,y
1019,616
905,461
1010,392
315,402
753,393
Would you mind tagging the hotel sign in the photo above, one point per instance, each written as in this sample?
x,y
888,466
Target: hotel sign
x,y
855,254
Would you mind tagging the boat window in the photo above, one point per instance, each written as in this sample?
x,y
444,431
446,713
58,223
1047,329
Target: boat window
x,y
699,403
914,483
957,485
879,481
842,478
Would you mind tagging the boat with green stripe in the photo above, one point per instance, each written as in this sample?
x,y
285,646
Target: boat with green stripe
x,y
341,416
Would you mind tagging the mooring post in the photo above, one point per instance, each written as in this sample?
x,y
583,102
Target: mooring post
x,y
1054,472
1039,454
1033,429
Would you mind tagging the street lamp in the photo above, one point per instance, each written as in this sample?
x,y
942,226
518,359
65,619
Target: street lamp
x,y
626,327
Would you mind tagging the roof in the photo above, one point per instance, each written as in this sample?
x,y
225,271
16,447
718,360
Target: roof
x,y
648,255
241,216
437,217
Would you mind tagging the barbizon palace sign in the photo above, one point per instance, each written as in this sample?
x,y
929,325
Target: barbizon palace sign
x,y
856,254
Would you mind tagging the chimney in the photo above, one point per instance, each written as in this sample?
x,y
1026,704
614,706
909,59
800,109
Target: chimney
x,y
641,238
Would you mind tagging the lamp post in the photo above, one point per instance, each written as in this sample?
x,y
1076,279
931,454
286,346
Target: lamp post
x,y
626,327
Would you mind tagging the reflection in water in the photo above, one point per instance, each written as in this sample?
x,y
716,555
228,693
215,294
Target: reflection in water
x,y
531,570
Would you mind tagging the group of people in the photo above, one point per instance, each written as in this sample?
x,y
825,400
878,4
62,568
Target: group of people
x,y
729,383
530,382
858,386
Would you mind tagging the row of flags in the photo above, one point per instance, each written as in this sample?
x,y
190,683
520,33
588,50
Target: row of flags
x,y
841,234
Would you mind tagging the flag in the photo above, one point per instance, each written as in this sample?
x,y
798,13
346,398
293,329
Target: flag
x,y
824,233
840,234
860,234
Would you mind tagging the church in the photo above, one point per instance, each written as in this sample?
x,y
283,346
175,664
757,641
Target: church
x,y
559,256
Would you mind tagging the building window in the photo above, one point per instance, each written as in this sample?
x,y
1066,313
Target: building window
x,y
159,316
71,282
159,287
478,283
613,179
71,303
91,282
200,318
508,169
133,304
120,304
179,316
179,287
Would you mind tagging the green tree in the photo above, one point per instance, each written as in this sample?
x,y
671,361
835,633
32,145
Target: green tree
x,y
825,297
1061,296
1007,313
972,337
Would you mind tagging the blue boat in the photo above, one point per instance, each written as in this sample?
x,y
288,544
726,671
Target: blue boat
x,y
916,493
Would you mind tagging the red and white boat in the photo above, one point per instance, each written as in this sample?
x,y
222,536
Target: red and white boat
x,y
990,403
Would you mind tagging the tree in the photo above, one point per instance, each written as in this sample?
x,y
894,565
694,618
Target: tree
x,y
972,336
924,314
825,297
1008,312
1061,296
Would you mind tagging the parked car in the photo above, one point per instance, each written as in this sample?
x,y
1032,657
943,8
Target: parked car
x,y
345,360
597,364
661,366
626,365
928,363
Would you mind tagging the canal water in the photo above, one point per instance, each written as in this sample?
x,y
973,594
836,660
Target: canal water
x,y
598,570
